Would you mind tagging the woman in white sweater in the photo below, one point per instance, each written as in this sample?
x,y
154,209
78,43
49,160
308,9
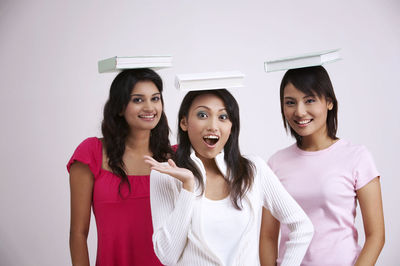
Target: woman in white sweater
x,y
206,208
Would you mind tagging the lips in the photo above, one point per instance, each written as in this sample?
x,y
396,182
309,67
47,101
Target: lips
x,y
303,122
148,117
211,140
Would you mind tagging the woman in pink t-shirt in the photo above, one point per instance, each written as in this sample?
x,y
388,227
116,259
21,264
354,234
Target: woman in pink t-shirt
x,y
110,175
326,176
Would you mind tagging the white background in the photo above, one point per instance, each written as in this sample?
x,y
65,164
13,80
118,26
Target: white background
x,y
52,95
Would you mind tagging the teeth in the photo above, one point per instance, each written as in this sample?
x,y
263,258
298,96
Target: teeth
x,y
303,122
146,116
211,137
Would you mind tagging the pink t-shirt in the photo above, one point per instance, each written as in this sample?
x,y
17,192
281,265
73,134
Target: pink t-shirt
x,y
124,225
324,183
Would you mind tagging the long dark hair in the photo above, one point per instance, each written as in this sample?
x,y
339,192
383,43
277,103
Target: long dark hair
x,y
311,81
115,129
240,170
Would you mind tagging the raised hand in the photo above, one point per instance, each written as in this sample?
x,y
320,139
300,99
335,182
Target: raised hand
x,y
182,174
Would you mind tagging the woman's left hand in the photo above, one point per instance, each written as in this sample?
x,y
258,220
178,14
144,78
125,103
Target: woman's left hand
x,y
182,174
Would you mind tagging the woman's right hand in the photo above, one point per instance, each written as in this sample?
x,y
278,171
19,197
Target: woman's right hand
x,y
182,174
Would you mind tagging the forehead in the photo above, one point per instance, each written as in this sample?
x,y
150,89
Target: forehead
x,y
291,91
210,101
145,88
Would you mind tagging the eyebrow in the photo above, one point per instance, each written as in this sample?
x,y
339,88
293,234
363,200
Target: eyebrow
x,y
306,96
157,93
208,108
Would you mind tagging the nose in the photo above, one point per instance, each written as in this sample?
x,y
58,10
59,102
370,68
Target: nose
x,y
212,125
300,110
148,106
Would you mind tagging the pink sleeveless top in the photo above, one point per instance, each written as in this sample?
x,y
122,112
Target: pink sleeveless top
x,y
124,225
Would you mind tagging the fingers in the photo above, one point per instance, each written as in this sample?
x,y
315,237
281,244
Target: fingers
x,y
149,160
154,165
171,163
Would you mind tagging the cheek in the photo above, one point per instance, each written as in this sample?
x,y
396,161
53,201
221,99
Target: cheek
x,y
159,107
321,112
194,129
130,110
227,131
286,113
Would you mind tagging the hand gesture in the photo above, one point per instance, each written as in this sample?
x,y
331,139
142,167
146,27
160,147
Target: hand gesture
x,y
182,174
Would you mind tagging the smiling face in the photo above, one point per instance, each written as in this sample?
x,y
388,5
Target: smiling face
x,y
306,114
144,108
208,125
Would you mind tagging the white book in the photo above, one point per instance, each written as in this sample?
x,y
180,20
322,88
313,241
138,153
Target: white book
x,y
209,81
128,62
304,60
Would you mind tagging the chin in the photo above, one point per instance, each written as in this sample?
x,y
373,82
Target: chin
x,y
210,154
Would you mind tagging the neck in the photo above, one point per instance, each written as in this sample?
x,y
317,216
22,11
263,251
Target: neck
x,y
138,140
209,164
316,142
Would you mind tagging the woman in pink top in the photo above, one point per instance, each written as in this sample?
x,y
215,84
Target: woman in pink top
x,y
326,176
109,174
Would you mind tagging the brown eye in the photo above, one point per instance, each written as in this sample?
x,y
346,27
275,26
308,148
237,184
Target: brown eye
x,y
310,100
223,117
202,115
137,100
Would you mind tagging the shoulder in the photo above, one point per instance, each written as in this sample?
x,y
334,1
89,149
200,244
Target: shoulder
x,y
359,153
282,155
264,178
364,168
89,152
259,164
254,159
90,147
352,150
90,144
91,141
287,151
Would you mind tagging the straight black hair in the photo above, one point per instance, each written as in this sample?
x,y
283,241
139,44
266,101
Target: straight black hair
x,y
240,170
311,81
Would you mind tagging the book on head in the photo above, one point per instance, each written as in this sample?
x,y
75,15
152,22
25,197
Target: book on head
x,y
117,63
304,60
209,81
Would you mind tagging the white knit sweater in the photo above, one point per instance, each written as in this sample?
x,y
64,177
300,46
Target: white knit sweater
x,y
176,214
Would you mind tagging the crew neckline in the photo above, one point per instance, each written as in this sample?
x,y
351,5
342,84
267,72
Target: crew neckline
x,y
312,153
217,201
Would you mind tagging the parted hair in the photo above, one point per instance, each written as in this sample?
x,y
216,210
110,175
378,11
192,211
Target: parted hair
x,y
311,81
115,129
240,170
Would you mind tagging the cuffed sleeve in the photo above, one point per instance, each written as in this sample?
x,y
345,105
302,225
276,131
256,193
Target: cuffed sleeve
x,y
171,210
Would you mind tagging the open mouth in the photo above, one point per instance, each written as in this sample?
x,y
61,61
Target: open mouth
x,y
211,140
304,122
147,116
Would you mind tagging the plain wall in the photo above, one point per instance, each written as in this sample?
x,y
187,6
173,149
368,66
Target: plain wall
x,y
52,95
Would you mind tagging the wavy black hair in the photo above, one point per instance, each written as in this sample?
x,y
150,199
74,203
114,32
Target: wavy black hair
x,y
115,129
240,170
311,81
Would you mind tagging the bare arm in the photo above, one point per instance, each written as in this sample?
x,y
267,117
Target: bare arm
x,y
81,184
268,239
370,200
